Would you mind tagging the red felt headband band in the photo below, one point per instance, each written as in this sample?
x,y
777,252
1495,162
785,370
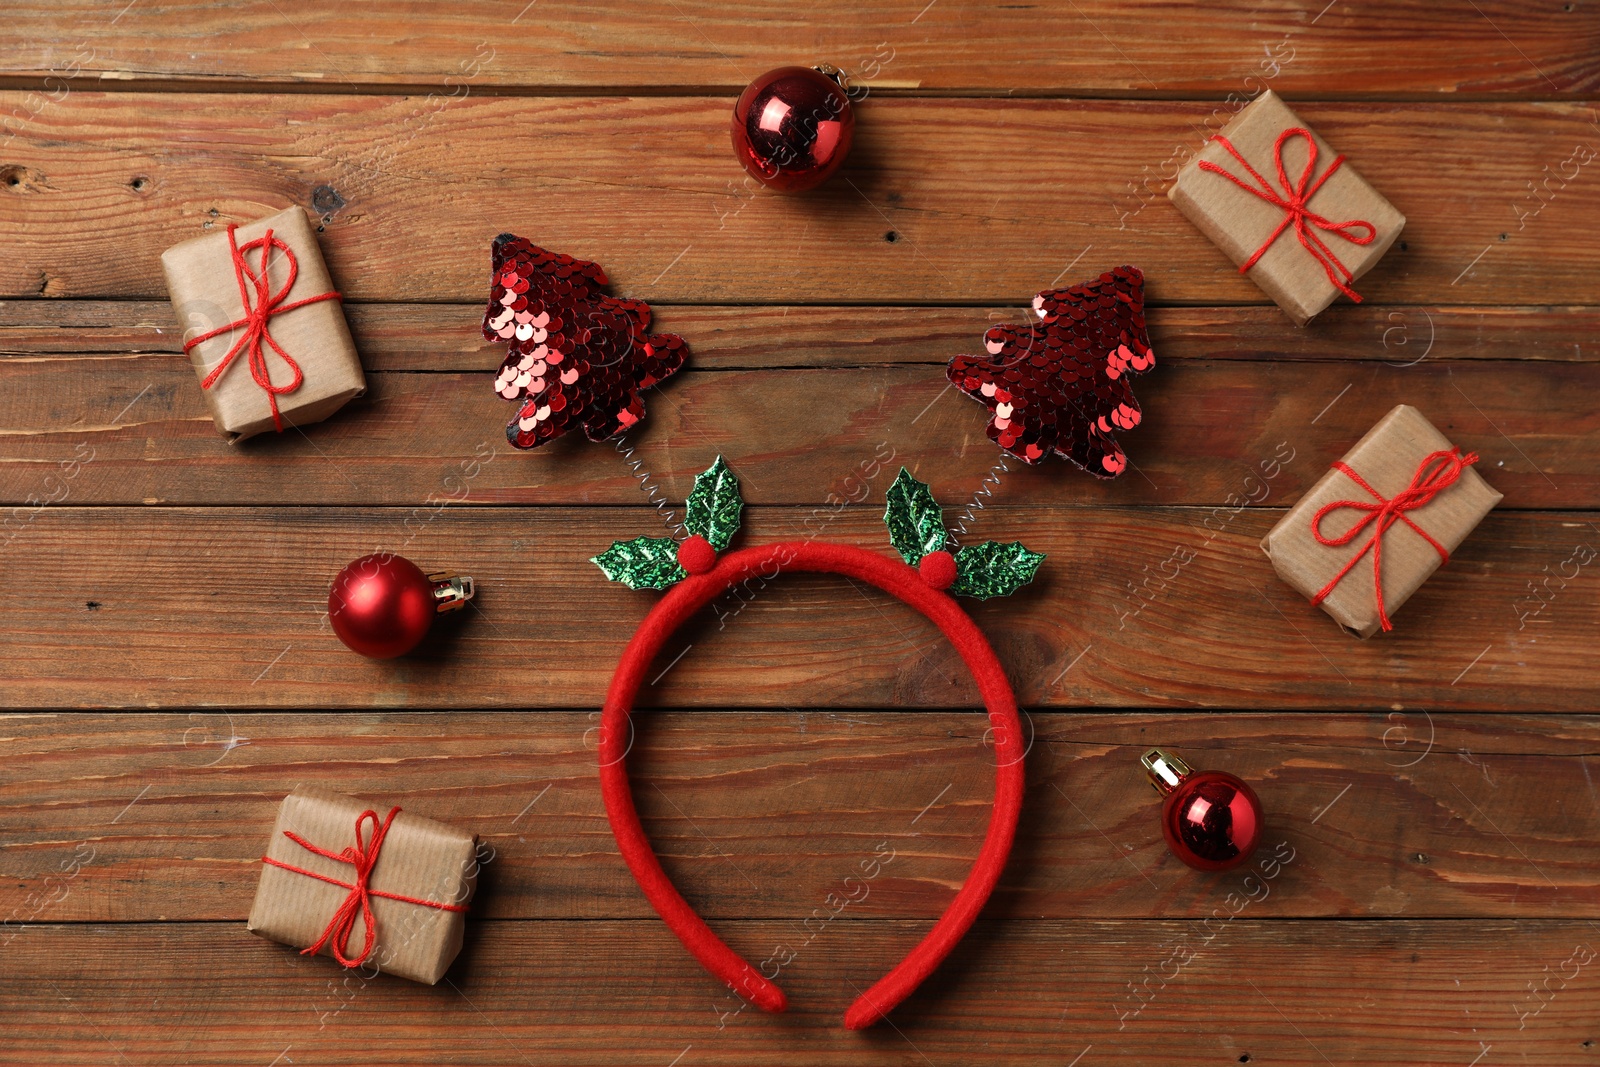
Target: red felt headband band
x,y
906,584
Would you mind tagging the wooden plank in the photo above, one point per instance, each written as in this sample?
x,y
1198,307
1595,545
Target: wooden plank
x,y
1136,608
1304,993
99,184
444,337
1213,432
957,46
138,818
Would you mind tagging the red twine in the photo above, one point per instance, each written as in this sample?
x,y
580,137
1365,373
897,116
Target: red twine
x,y
267,304
1293,201
363,857
1437,472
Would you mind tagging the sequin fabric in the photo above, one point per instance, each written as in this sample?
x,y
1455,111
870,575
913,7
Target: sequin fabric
x,y
1061,384
575,356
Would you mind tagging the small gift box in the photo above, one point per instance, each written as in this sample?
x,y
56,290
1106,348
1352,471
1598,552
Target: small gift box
x,y
1403,496
1303,241
389,893
263,325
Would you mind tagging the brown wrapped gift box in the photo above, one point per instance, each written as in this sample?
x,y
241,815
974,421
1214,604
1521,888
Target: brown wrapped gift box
x,y
1387,457
205,293
1238,221
419,858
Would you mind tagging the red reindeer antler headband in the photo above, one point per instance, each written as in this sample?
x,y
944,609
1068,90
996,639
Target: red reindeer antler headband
x,y
696,574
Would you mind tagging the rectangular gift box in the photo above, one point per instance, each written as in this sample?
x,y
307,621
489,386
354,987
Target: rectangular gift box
x,y
1240,222
1388,458
419,858
204,286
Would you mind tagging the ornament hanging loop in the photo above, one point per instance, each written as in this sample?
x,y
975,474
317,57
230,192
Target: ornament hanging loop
x,y
1165,770
839,77
451,593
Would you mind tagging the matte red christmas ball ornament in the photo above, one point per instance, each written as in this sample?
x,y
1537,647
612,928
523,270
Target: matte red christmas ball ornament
x,y
1211,819
382,605
792,127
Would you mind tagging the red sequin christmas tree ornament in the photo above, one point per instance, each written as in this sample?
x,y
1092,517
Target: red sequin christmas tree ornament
x,y
1061,385
575,356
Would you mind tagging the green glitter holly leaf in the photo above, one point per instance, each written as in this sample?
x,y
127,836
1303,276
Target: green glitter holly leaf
x,y
914,518
715,505
643,563
994,569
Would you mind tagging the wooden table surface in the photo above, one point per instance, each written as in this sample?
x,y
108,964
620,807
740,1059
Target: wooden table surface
x,y
169,674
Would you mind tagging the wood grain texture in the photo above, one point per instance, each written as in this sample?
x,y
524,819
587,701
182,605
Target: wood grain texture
x,y
1302,993
1435,784
225,606
980,201
761,815
1214,434
1364,47
445,337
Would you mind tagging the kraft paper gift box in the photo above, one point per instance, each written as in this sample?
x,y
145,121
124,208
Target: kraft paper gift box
x,y
420,877
1252,213
1404,459
301,327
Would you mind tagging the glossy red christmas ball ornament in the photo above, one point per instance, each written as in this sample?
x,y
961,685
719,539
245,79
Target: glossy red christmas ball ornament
x,y
1211,819
792,127
382,605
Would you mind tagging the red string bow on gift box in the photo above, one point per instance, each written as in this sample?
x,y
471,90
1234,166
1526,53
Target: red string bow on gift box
x,y
1295,201
1437,472
362,857
257,317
